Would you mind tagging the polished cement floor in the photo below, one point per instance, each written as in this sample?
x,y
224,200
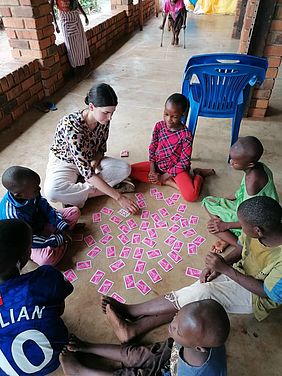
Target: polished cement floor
x,y
144,75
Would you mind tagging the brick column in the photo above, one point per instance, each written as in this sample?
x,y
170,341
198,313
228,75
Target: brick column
x,y
239,18
28,24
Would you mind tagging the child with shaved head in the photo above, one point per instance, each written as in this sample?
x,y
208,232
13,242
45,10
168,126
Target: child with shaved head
x,y
258,181
195,347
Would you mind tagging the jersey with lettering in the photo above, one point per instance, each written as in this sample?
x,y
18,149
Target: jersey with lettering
x,y
32,333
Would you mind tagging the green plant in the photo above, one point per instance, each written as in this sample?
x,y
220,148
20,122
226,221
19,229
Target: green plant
x,y
90,5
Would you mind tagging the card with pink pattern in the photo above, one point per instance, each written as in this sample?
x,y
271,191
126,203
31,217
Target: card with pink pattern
x,y
170,240
123,239
199,240
117,265
89,240
82,265
152,234
106,286
129,281
106,239
97,277
125,252
149,242
96,217
154,253
193,272
184,222
177,246
118,297
143,287
94,252
188,233
70,275
131,223
124,228
156,217
105,229
174,228
115,219
163,212
140,266
192,249
111,251
107,211
193,220
161,224
144,225
145,214
138,253
175,256
136,238
181,208
154,275
165,265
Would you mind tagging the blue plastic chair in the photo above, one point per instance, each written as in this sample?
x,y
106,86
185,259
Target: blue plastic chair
x,y
222,89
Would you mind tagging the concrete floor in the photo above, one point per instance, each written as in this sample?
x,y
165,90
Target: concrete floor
x,y
144,75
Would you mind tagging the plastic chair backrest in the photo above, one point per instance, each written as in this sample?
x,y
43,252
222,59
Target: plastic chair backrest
x,y
230,58
222,85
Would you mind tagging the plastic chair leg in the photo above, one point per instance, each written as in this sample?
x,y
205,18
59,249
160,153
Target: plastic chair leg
x,y
193,118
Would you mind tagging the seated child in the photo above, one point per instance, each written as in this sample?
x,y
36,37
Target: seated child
x,y
176,12
49,226
32,334
258,181
170,153
196,347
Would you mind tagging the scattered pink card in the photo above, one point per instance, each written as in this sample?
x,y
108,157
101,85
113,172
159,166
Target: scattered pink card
x,y
123,239
193,220
143,287
149,242
138,253
117,265
136,239
125,252
193,272
107,211
131,223
141,204
175,256
177,246
165,265
82,265
156,217
188,233
106,239
152,233
106,286
140,196
118,297
174,228
170,240
161,224
111,251
199,240
115,219
77,237
144,225
163,212
70,275
124,228
154,275
175,197
94,252
169,201
124,213
96,217
105,229
159,196
181,208
192,249
176,217
153,191
184,222
140,266
145,214
154,253
129,281
97,276
89,240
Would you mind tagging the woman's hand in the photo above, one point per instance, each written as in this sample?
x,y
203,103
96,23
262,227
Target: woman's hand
x,y
128,204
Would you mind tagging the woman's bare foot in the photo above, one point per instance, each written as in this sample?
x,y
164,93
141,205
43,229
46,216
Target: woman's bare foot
x,y
120,308
219,246
204,172
123,330
71,366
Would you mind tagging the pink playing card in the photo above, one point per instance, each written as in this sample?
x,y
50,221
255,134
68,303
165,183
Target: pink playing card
x,y
192,249
169,201
96,217
77,237
163,212
152,233
111,251
115,219
154,275
140,196
156,217
181,208
199,240
136,239
165,265
140,266
131,223
193,220
149,242
82,265
153,191
124,213
159,196
70,275
141,204
175,197
193,272
184,222
89,240
144,225
170,240
106,286
107,211
125,252
106,239
105,229
188,233
118,297
94,252
123,239
138,253
117,265
174,228
143,287
176,217
97,276
175,256
129,281
124,228
153,253
177,246
145,214
161,224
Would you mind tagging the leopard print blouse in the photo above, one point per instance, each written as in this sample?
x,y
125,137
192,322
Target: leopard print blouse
x,y
77,144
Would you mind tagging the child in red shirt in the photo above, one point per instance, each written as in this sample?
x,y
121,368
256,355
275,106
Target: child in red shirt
x,y
170,154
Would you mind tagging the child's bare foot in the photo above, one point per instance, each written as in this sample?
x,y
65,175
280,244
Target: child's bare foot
x,y
219,246
75,344
170,183
204,172
121,328
71,366
120,308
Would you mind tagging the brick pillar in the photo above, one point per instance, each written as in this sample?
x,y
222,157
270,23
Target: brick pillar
x,y
28,24
239,18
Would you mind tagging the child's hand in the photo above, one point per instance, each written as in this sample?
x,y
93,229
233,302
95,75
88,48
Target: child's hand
x,y
207,275
216,263
128,204
217,225
153,177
